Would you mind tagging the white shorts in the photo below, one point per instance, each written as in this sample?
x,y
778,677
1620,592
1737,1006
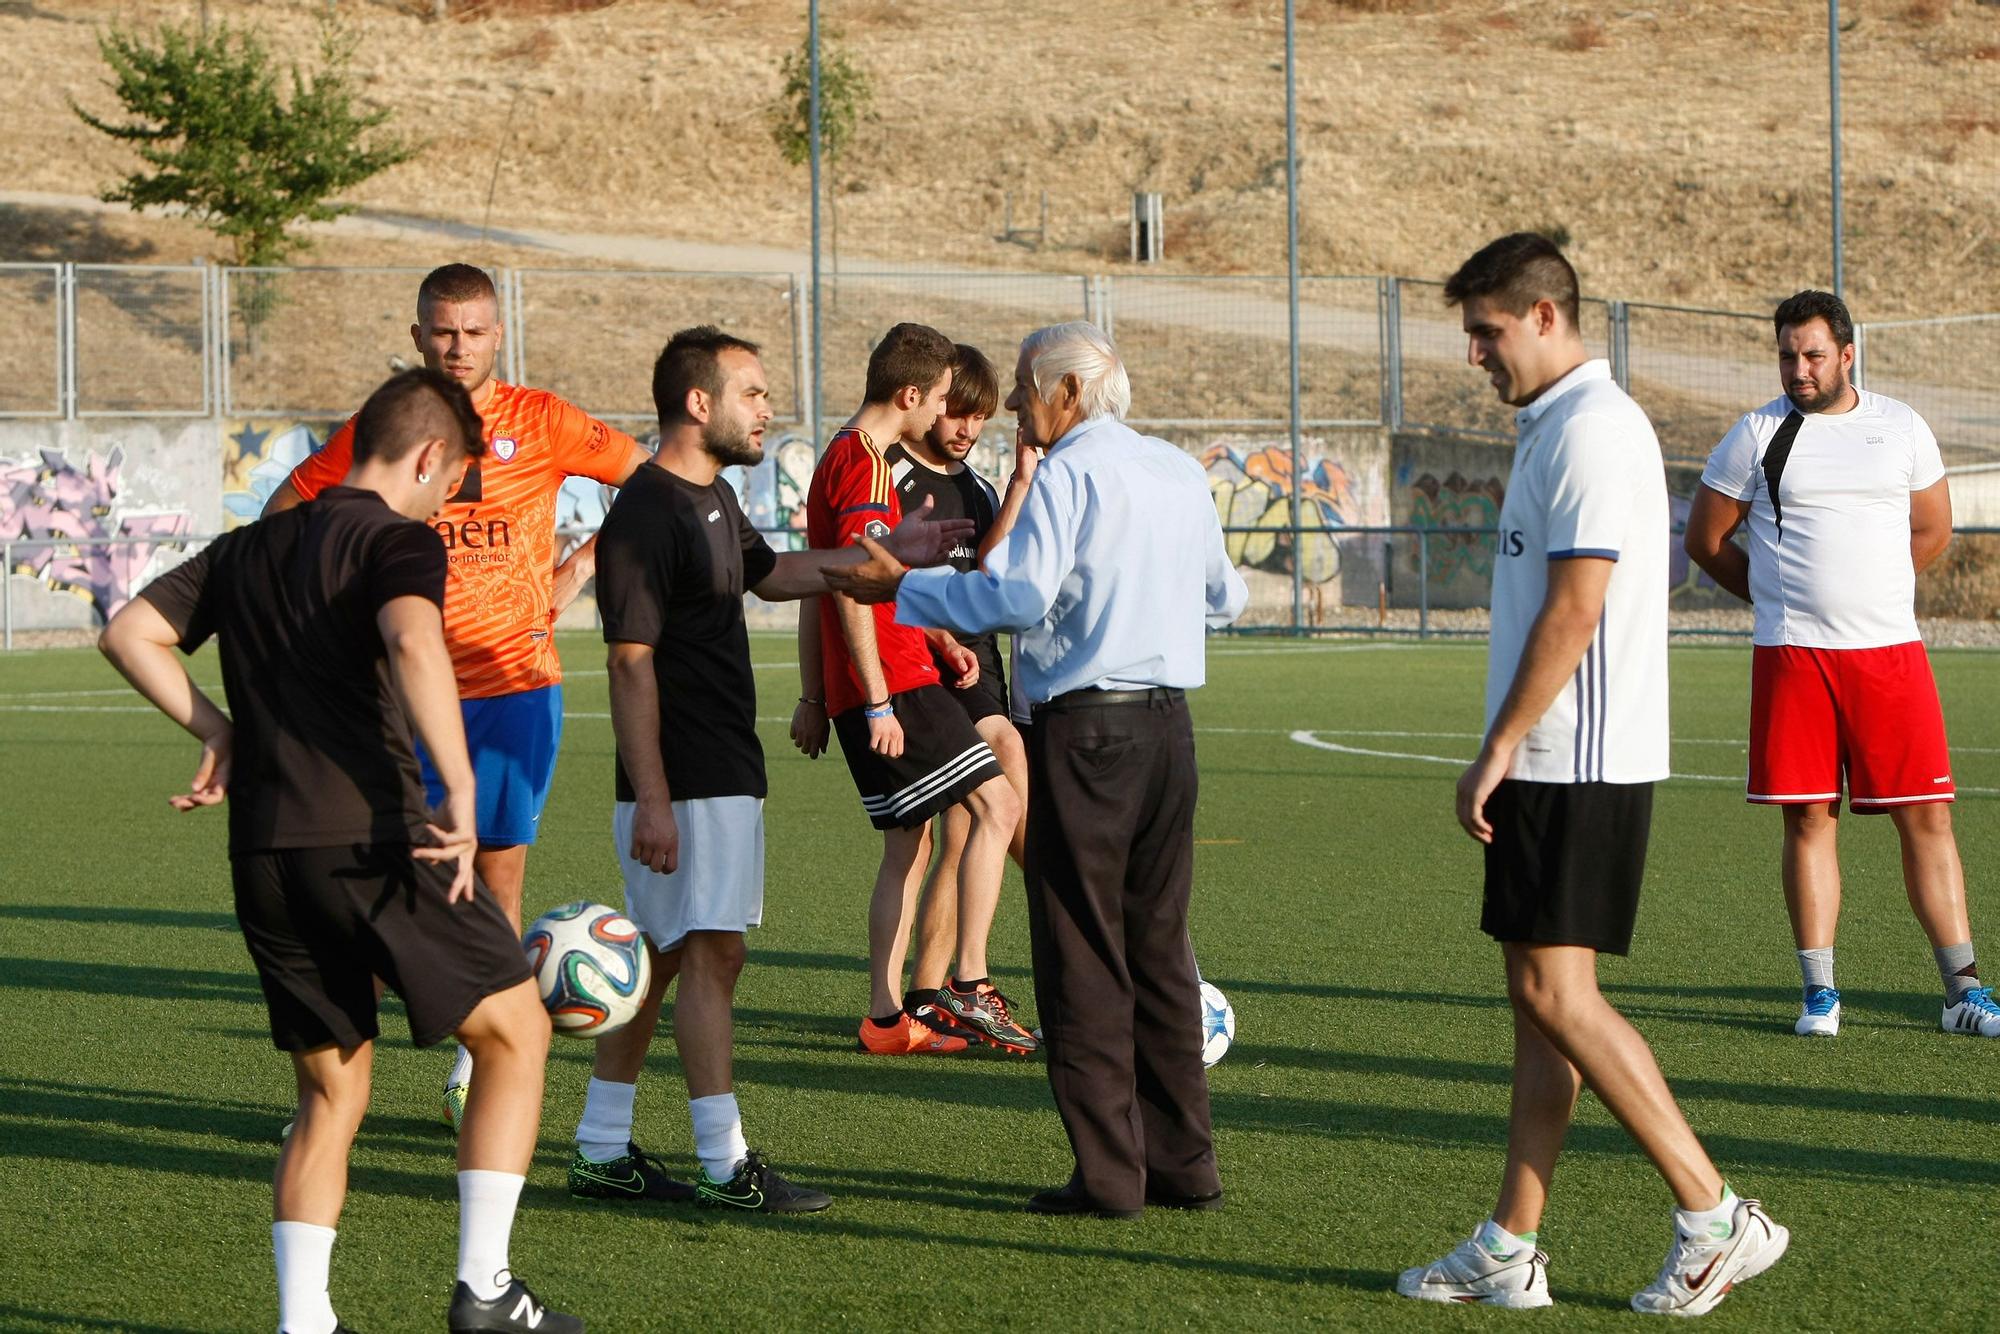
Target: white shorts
x,y
718,884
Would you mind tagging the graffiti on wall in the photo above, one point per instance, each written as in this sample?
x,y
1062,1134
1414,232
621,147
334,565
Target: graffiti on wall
x,y
1252,487
45,495
256,459
1456,502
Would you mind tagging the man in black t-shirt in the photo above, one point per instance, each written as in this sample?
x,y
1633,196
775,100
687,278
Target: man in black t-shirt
x,y
674,557
329,621
970,665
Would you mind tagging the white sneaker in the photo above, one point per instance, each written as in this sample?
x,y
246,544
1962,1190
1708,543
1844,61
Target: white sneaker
x,y
1700,1271
1472,1273
1976,1013
1819,1017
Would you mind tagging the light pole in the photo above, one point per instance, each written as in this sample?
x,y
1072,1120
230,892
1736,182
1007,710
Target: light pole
x,y
812,153
1292,299
1833,98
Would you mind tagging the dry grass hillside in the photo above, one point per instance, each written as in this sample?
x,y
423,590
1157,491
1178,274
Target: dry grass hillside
x,y
1681,146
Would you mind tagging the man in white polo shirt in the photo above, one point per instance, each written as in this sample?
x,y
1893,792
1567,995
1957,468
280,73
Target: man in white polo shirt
x,y
1845,497
1562,791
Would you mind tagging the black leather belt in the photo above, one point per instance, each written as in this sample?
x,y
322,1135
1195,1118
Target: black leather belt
x,y
1093,699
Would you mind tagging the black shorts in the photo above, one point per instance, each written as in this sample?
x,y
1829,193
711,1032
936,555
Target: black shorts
x,y
323,923
1565,862
986,697
943,759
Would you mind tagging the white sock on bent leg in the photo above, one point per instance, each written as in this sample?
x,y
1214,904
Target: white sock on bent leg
x,y
304,1252
718,1134
461,1071
606,1127
486,1204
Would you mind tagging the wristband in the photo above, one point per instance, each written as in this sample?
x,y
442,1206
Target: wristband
x,y
885,710
819,702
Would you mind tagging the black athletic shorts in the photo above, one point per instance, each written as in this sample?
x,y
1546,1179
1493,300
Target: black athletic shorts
x,y
986,697
943,759
323,923
1565,862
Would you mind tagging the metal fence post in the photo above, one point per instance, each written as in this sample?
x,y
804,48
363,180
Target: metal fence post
x,y
1105,317
7,594
1423,583
1620,330
1392,353
799,323
66,306
1860,356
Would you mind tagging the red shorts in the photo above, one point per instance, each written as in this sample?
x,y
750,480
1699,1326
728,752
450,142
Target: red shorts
x,y
1868,714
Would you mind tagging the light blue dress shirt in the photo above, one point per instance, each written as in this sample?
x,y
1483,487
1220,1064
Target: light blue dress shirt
x,y
1110,577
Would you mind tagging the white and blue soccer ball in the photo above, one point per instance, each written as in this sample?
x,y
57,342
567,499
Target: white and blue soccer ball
x,y
591,966
1218,1024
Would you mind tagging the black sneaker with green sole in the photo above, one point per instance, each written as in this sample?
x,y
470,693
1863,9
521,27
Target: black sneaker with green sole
x,y
636,1176
758,1187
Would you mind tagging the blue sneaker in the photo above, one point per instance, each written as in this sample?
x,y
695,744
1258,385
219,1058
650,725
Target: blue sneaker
x,y
1976,1014
1820,1016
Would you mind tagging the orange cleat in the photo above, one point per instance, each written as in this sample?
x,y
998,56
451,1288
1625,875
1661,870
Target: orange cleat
x,y
905,1037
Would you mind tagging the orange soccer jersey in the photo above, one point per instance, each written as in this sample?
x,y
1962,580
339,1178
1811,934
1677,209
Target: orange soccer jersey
x,y
500,532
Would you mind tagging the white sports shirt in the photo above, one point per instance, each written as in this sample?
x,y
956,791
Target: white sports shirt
x,y
1588,480
1836,572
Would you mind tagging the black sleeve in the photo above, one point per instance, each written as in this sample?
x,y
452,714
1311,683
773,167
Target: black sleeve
x,y
407,560
634,568
178,595
758,558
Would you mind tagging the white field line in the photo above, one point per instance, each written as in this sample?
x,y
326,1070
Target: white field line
x,y
1318,742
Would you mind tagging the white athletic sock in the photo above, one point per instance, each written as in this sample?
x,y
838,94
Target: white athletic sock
x,y
486,1202
1500,1243
606,1127
304,1253
1709,1224
461,1071
718,1134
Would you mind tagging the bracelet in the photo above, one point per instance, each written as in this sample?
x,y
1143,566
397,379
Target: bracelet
x,y
818,702
888,710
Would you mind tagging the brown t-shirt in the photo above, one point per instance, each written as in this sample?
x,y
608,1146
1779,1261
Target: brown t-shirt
x,y
323,754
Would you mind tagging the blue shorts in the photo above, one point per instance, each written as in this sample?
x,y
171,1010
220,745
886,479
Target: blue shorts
x,y
513,741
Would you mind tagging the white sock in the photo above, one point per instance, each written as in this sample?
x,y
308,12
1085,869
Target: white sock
x,y
606,1127
718,1134
1500,1243
1709,1224
304,1253
461,1071
486,1202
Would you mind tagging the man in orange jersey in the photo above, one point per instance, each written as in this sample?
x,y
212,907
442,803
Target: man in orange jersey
x,y
504,588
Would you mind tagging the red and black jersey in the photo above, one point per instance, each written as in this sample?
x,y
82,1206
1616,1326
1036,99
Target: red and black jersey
x,y
851,494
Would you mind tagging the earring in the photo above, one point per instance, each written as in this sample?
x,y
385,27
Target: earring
x,y
423,478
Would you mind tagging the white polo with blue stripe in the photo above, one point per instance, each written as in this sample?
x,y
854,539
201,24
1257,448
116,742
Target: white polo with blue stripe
x,y
1588,482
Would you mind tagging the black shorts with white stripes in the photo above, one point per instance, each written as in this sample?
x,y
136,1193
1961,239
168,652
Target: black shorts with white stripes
x,y
943,759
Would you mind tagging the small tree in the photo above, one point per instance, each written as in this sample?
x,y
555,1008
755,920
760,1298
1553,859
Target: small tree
x,y
844,97
207,116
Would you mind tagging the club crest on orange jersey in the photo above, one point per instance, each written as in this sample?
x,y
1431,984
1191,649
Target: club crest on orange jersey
x,y
503,448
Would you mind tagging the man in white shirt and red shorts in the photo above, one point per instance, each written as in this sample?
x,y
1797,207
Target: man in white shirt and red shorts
x,y
1845,499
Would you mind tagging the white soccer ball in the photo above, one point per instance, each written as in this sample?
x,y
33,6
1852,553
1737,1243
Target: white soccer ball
x,y
591,966
1218,1024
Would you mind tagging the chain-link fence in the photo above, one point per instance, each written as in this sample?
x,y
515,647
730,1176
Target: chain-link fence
x,y
1920,361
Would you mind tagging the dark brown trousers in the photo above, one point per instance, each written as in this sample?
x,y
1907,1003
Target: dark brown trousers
x,y
1110,860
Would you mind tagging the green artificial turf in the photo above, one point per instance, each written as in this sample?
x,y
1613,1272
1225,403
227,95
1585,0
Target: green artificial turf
x,y
1360,1117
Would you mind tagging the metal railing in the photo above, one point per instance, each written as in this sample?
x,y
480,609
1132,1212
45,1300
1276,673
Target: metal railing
x,y
99,340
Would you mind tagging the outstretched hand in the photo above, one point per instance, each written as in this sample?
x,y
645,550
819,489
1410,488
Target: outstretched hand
x,y
873,580
920,540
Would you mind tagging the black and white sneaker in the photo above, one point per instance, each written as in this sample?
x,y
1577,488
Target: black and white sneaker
x,y
757,1187
516,1308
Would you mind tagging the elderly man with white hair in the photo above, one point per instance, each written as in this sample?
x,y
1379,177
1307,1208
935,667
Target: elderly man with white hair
x,y
1109,578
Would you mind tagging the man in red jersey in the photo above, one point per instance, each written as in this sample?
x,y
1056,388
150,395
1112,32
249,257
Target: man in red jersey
x,y
911,748
504,589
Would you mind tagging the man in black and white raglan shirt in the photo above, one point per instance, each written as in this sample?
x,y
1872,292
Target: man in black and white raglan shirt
x,y
1561,793
1845,497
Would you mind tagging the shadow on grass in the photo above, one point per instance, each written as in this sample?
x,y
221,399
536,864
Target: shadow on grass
x,y
27,1320
147,983
111,916
1377,1282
